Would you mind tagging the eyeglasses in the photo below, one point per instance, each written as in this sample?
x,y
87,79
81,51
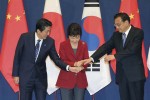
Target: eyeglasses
x,y
118,24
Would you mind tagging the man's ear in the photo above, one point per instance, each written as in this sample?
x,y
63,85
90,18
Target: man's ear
x,y
127,22
38,31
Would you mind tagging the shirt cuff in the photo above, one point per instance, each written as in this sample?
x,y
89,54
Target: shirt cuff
x,y
67,68
92,59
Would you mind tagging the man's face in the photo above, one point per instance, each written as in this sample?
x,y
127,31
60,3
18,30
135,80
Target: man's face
x,y
43,34
120,25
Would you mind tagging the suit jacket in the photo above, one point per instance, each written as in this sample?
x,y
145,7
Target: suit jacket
x,y
24,60
128,58
70,79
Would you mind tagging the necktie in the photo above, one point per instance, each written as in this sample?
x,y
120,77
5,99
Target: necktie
x,y
123,38
37,49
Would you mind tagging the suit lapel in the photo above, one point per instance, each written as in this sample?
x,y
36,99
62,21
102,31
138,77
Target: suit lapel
x,y
120,42
32,45
43,46
70,48
129,36
79,48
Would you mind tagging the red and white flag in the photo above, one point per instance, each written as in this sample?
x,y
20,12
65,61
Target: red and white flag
x,y
131,8
52,12
92,33
15,25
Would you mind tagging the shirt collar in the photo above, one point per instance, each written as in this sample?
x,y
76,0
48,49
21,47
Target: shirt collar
x,y
36,37
127,32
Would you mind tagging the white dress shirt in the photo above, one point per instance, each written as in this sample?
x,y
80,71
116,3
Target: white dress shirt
x,y
36,40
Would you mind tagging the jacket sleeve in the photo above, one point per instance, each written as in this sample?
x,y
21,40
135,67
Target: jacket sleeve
x,y
54,56
104,49
63,55
17,57
86,54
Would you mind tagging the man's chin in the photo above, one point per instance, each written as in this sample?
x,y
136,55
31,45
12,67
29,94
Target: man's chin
x,y
44,37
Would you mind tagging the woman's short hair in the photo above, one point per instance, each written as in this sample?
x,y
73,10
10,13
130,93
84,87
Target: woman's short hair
x,y
74,29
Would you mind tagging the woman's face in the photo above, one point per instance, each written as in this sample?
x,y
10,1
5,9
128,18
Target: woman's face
x,y
74,39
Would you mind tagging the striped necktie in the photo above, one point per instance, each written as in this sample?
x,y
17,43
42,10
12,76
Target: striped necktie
x,y
37,47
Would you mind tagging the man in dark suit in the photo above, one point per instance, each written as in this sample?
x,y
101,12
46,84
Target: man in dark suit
x,y
29,68
127,41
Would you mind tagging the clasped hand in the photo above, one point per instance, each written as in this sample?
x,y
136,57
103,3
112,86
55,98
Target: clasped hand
x,y
77,67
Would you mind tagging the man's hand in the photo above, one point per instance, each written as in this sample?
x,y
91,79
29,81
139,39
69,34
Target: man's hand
x,y
109,57
75,69
16,80
79,63
87,61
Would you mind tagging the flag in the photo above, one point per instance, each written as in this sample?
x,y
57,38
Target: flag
x,y
52,12
148,59
131,8
92,33
0,61
3,7
15,25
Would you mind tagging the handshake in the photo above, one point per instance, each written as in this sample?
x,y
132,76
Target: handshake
x,y
78,66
